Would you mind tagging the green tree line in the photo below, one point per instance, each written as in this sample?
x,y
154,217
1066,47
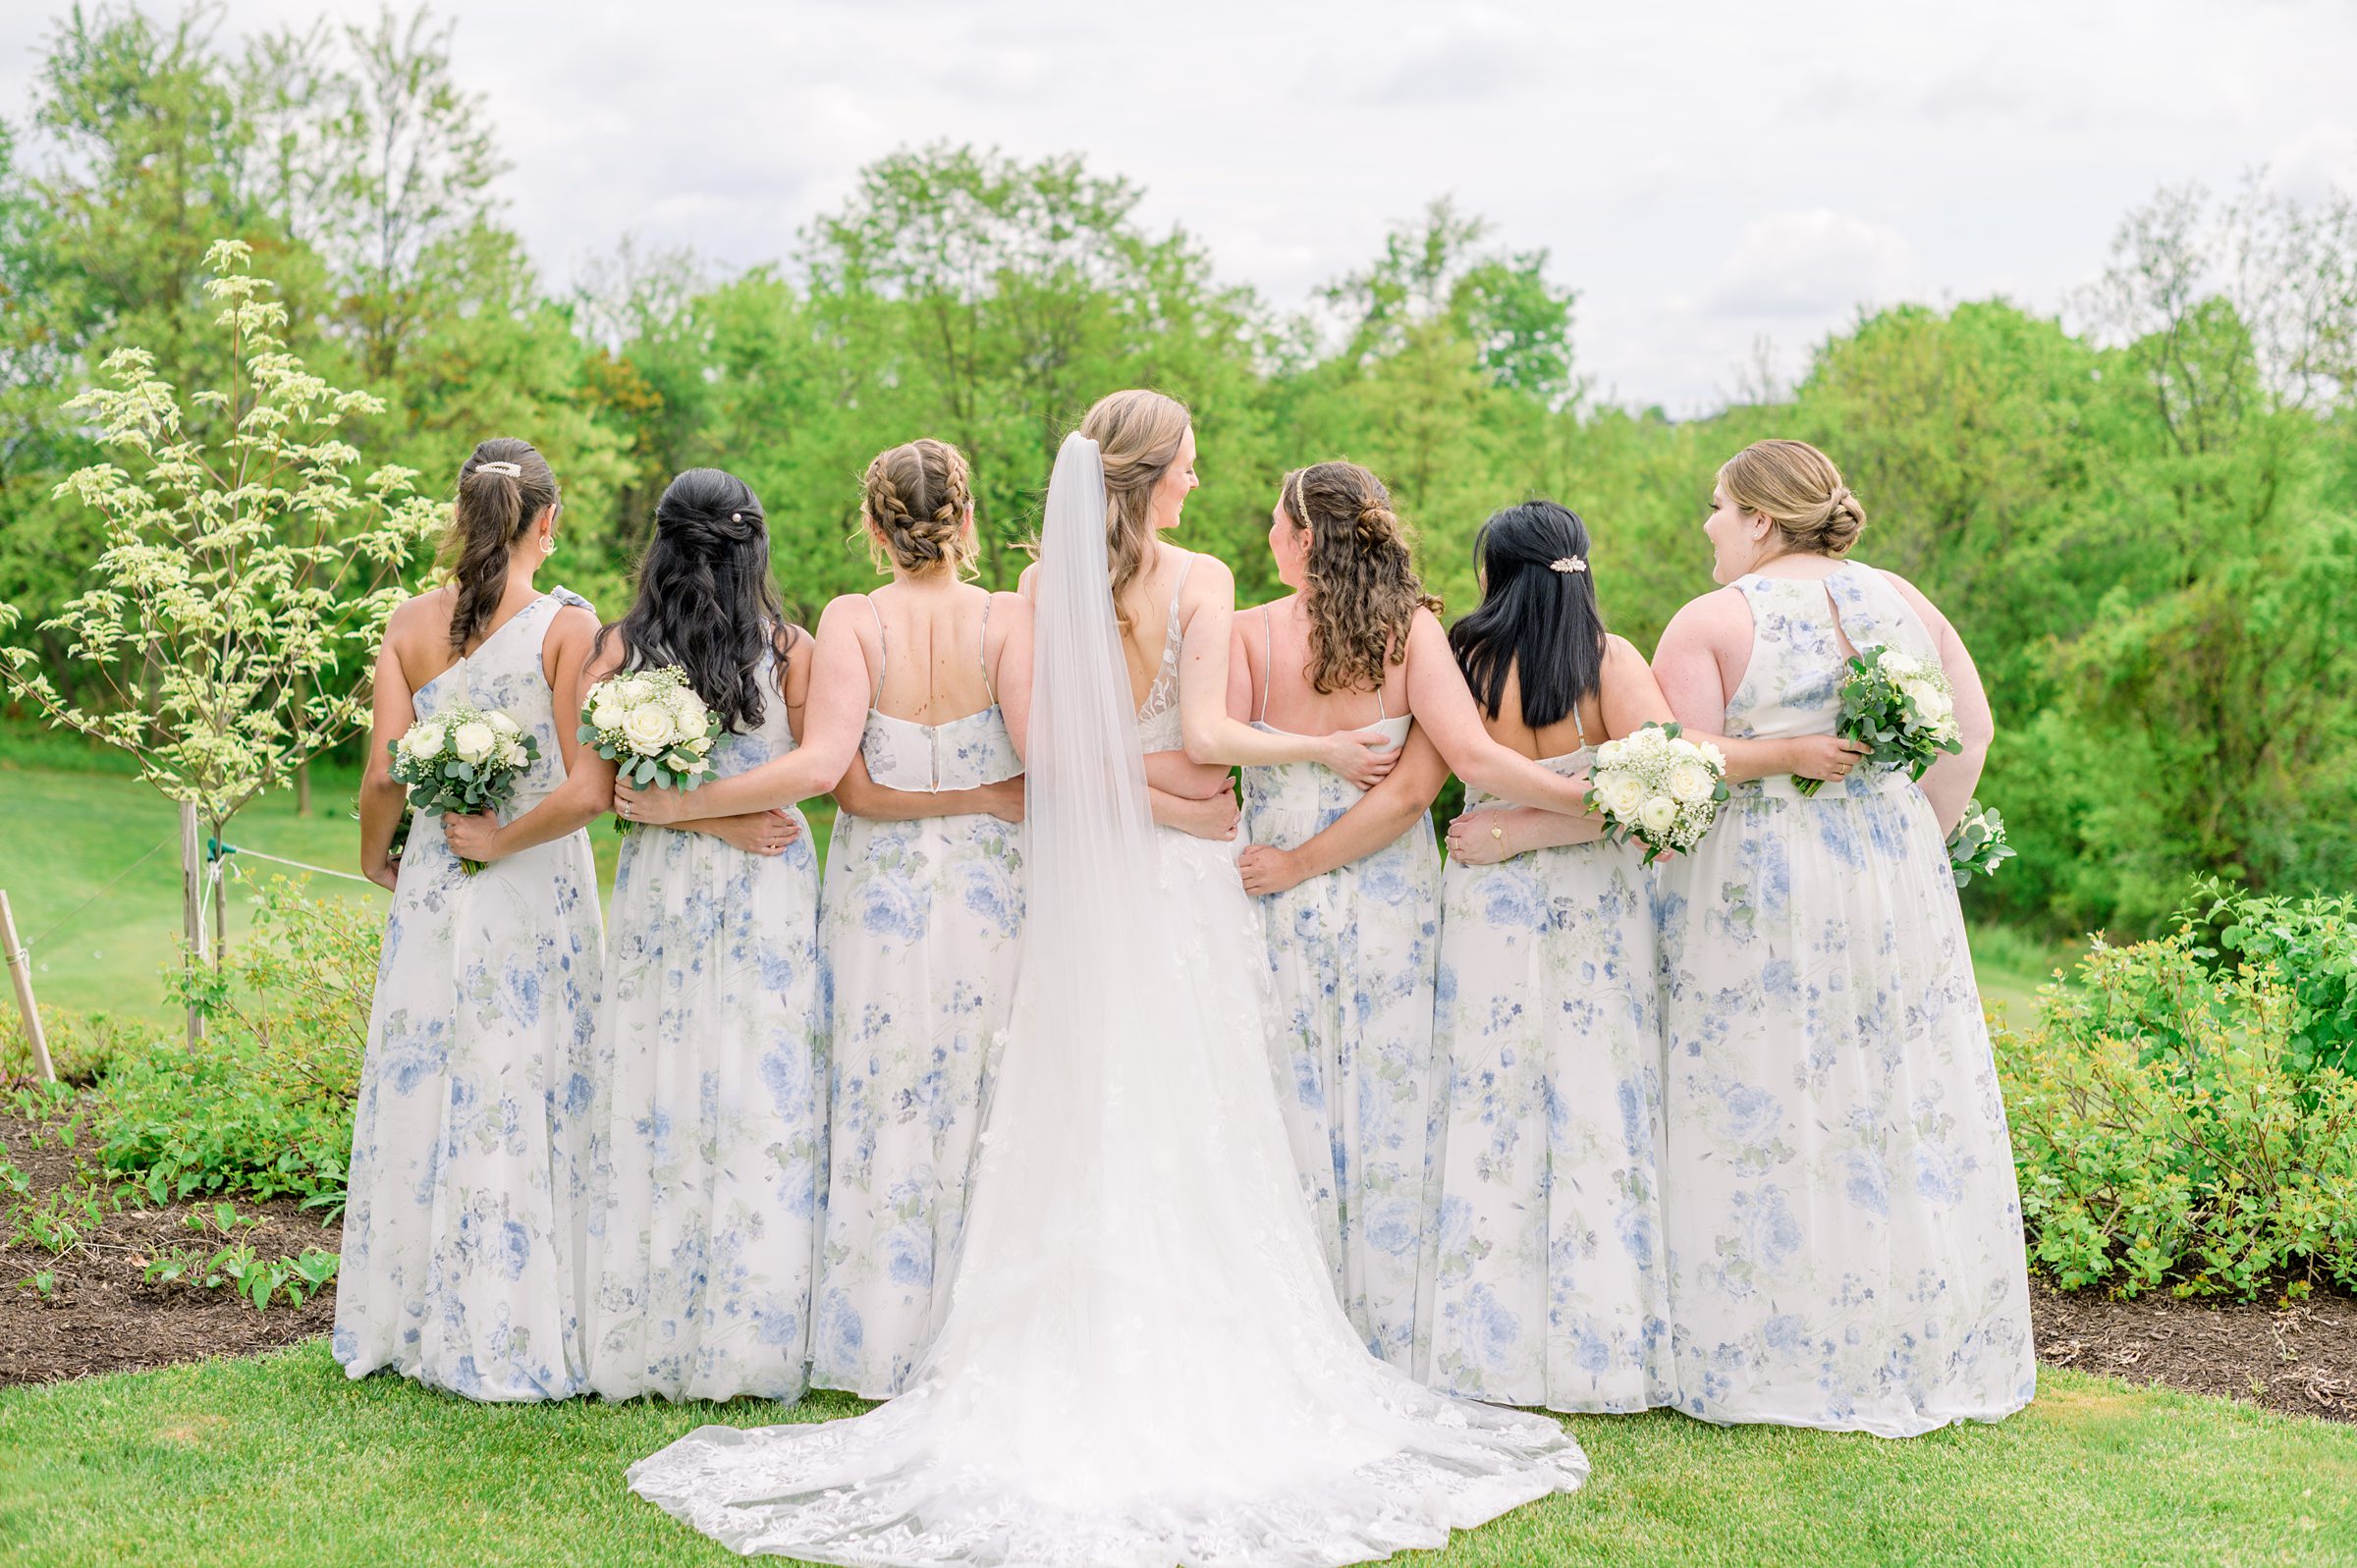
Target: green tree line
x,y
2138,511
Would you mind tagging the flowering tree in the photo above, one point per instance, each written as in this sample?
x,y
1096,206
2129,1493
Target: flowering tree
x,y
244,567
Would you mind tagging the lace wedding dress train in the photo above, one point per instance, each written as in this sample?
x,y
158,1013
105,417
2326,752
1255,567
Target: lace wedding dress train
x,y
1143,1363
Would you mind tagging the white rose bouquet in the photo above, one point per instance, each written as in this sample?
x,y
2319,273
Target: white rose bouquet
x,y
1978,846
462,760
1900,709
1657,788
653,726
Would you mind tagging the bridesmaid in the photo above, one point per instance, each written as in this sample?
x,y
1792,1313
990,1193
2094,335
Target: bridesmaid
x,y
1546,1271
1842,1226
462,1234
706,1142
1371,1148
921,919
1350,918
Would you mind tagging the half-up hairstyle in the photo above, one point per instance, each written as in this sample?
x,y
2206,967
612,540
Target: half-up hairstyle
x,y
1797,488
1359,590
502,486
705,600
1139,436
1538,617
917,498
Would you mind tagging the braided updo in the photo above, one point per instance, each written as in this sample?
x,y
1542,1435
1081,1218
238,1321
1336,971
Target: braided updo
x,y
705,599
1797,488
918,498
1359,589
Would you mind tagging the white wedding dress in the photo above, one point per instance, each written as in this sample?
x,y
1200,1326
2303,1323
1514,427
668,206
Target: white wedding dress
x,y
1143,1363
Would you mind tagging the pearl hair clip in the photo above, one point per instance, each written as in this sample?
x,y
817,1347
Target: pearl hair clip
x,y
1567,564
736,516
511,470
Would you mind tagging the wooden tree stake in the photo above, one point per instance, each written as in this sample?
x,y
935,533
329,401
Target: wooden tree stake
x,y
19,970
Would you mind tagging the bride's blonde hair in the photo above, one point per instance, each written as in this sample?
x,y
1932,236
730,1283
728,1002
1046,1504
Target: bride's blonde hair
x,y
1139,434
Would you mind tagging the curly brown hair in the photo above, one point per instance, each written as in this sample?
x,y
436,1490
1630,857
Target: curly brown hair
x,y
1360,590
917,497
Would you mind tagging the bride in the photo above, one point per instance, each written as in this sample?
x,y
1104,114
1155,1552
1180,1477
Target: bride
x,y
1142,1363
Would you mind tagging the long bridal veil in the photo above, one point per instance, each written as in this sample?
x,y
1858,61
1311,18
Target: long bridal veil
x,y
1142,1363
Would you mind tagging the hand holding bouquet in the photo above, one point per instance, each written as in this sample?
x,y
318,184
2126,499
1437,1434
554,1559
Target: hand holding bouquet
x,y
1978,846
1901,708
1654,787
653,726
462,760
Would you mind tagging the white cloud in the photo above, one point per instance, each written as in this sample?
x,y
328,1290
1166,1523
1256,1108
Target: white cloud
x,y
2312,165
1810,263
1701,174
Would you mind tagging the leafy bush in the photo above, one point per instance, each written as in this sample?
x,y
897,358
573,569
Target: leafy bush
x,y
81,1046
2311,944
2164,1137
263,1106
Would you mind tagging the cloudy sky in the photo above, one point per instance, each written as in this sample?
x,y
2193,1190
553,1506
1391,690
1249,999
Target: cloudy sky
x,y
1705,174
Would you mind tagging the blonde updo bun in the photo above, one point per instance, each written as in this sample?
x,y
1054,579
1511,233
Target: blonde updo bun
x,y
1797,488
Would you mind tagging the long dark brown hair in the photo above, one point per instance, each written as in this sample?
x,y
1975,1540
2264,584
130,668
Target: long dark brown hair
x,y
1538,619
705,599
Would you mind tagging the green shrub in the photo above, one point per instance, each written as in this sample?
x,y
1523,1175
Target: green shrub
x,y
82,1045
263,1106
2310,942
2163,1136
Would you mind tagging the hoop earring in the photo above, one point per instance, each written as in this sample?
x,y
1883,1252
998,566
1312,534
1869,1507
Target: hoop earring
x,y
548,544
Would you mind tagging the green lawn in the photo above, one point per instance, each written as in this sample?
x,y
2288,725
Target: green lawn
x,y
65,834
278,1460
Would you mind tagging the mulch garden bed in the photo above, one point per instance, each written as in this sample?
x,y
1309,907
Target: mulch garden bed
x,y
2298,1357
101,1314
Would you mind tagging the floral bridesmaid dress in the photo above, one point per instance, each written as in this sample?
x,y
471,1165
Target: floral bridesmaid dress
x,y
1844,1230
708,1153
921,924
1351,956
462,1232
1546,1281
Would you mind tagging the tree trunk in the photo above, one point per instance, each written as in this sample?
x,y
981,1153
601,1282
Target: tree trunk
x,y
191,906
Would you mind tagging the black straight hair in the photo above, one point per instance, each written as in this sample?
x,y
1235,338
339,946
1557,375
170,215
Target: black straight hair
x,y
1537,618
705,599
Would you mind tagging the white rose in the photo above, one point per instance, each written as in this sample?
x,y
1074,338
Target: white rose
x,y
1610,752
692,715
1902,667
503,723
511,753
1690,782
1711,755
1658,814
425,740
647,730
1622,797
472,741
606,713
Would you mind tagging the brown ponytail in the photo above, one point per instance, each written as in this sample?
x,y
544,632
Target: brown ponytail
x,y
502,486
